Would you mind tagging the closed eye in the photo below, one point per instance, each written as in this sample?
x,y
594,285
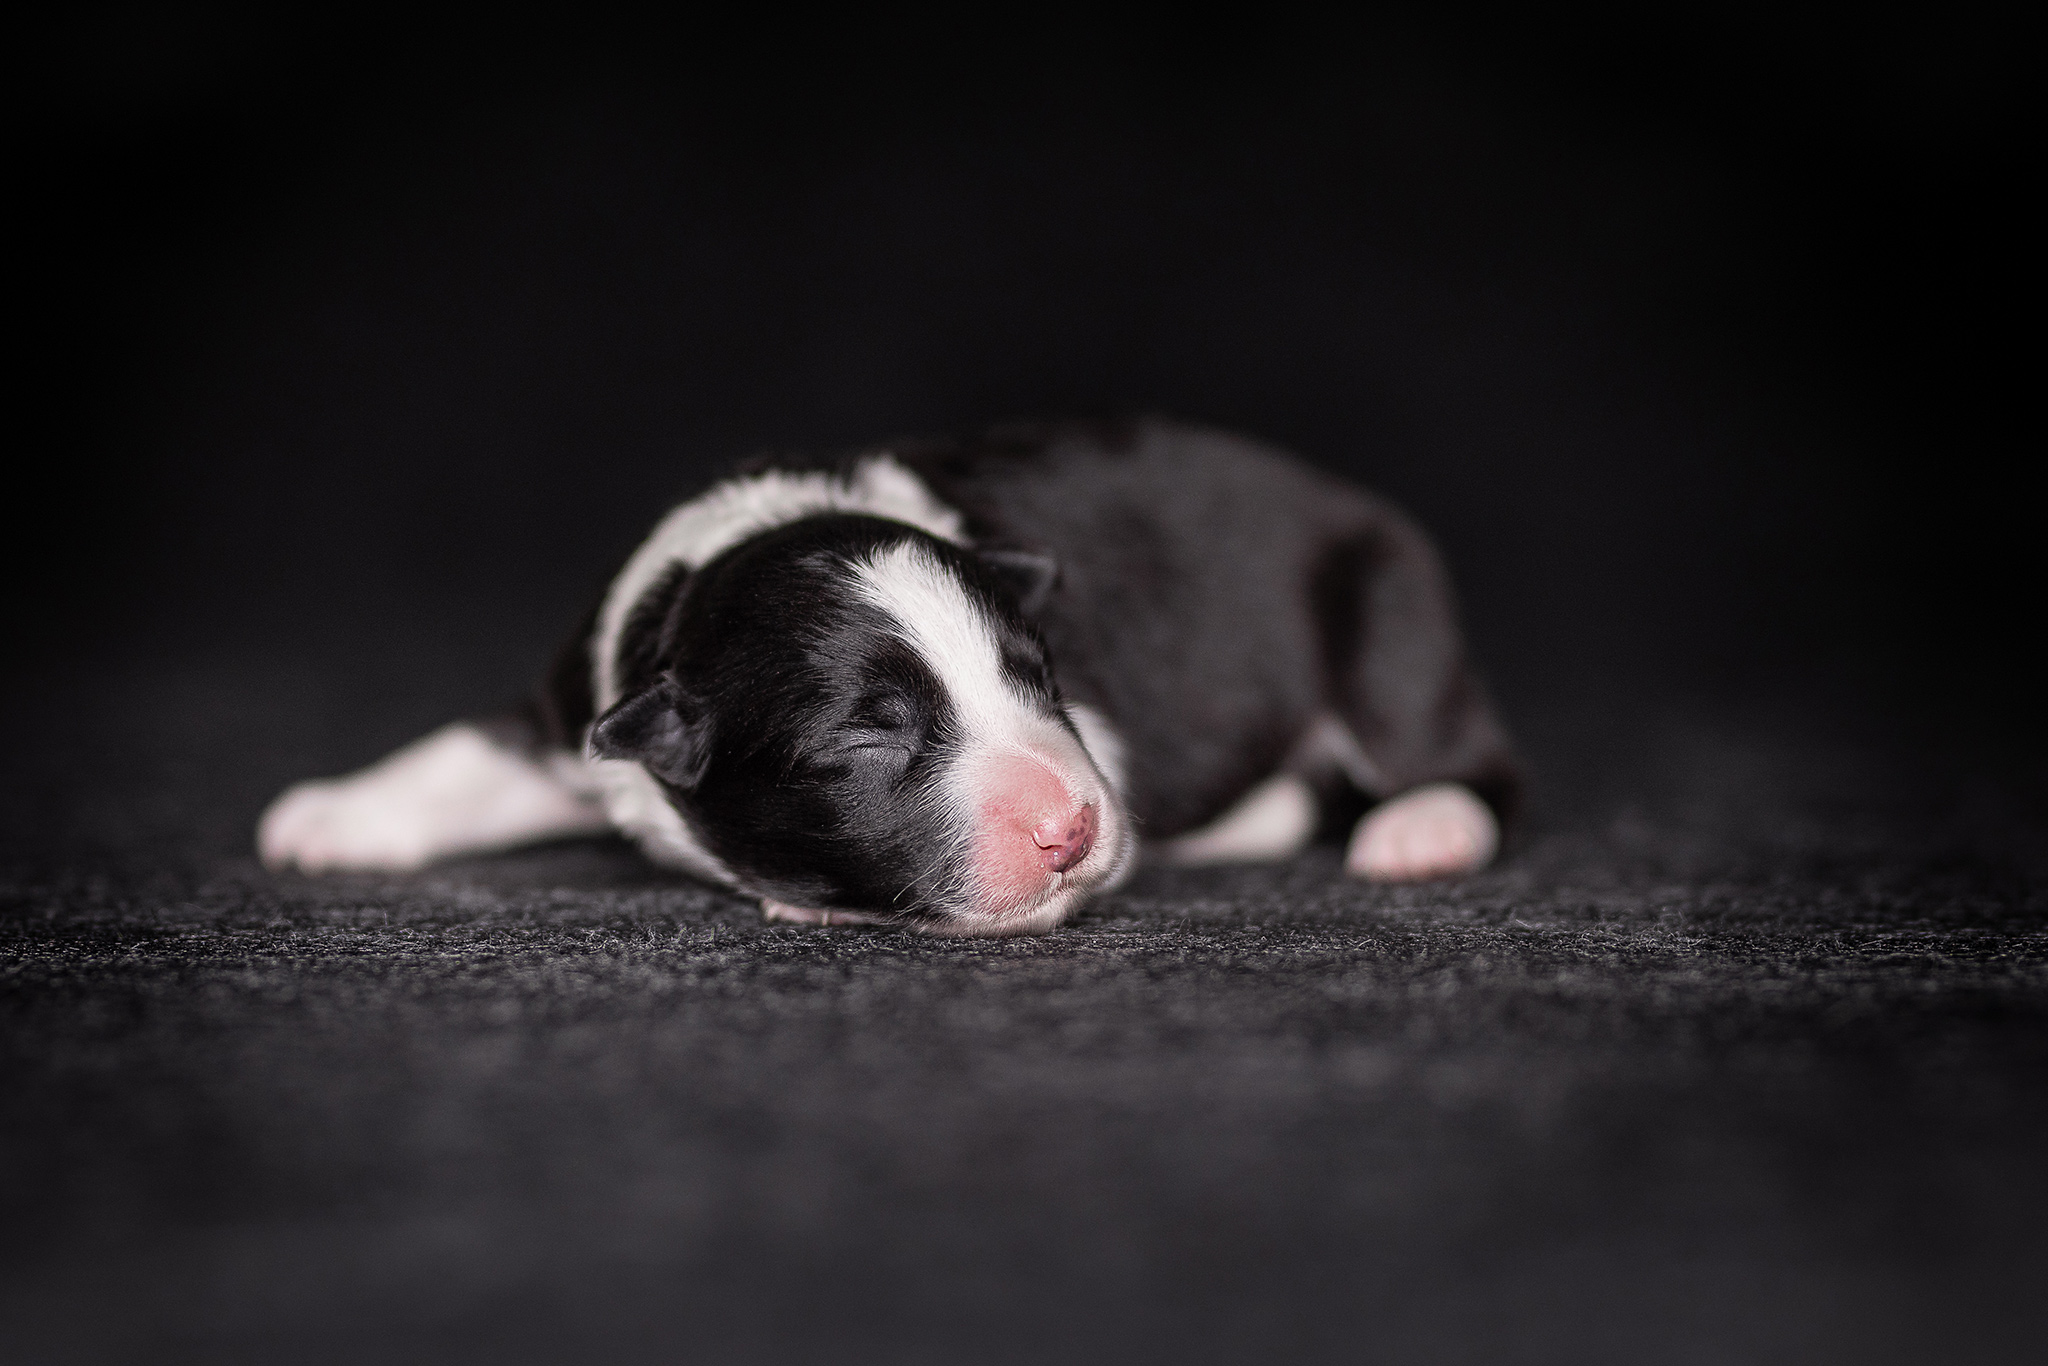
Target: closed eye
x,y
887,714
878,755
884,724
893,709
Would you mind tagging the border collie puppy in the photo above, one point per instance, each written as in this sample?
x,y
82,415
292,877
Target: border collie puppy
x,y
954,686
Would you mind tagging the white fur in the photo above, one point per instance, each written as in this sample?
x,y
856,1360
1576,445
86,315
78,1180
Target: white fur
x,y
693,534
1275,820
452,792
944,623
935,615
1438,830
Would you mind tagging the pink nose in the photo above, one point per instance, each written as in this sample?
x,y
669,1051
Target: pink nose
x,y
1062,844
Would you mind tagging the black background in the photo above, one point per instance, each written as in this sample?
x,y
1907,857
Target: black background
x,y
1697,340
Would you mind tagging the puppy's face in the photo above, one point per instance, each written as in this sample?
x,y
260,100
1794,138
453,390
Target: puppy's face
x,y
854,716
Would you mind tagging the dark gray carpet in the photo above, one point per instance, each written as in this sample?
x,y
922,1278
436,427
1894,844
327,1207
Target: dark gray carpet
x,y
1740,1056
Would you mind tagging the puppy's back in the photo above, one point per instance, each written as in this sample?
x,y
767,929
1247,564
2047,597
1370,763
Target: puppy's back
x,y
1187,608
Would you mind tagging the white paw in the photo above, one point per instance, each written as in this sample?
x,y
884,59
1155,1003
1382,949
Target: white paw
x,y
1436,831
776,910
340,823
453,792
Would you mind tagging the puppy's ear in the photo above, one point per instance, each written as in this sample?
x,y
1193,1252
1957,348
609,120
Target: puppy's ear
x,y
661,727
1028,574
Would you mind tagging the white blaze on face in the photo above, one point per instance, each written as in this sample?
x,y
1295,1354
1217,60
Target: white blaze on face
x,y
1044,828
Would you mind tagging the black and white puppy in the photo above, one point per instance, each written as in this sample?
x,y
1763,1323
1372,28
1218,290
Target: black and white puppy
x,y
953,686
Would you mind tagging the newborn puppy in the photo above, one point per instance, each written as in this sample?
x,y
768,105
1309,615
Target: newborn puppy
x,y
952,686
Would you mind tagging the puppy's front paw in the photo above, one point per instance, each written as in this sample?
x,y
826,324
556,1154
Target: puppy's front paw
x,y
1440,830
322,826
453,792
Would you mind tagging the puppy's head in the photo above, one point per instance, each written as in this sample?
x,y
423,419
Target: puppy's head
x,y
851,715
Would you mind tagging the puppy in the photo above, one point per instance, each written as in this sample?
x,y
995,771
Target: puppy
x,y
954,686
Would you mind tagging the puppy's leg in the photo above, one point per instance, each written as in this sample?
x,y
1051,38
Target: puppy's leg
x,y
463,789
1274,821
467,788
1416,726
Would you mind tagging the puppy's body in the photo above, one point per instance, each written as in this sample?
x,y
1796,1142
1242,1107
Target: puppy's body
x,y
951,684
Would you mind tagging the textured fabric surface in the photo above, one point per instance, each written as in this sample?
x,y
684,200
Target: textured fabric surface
x,y
1741,1054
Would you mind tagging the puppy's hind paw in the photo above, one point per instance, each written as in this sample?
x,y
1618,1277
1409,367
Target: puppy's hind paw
x,y
1440,830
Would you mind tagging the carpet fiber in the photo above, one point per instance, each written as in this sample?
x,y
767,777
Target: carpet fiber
x,y
1740,1055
